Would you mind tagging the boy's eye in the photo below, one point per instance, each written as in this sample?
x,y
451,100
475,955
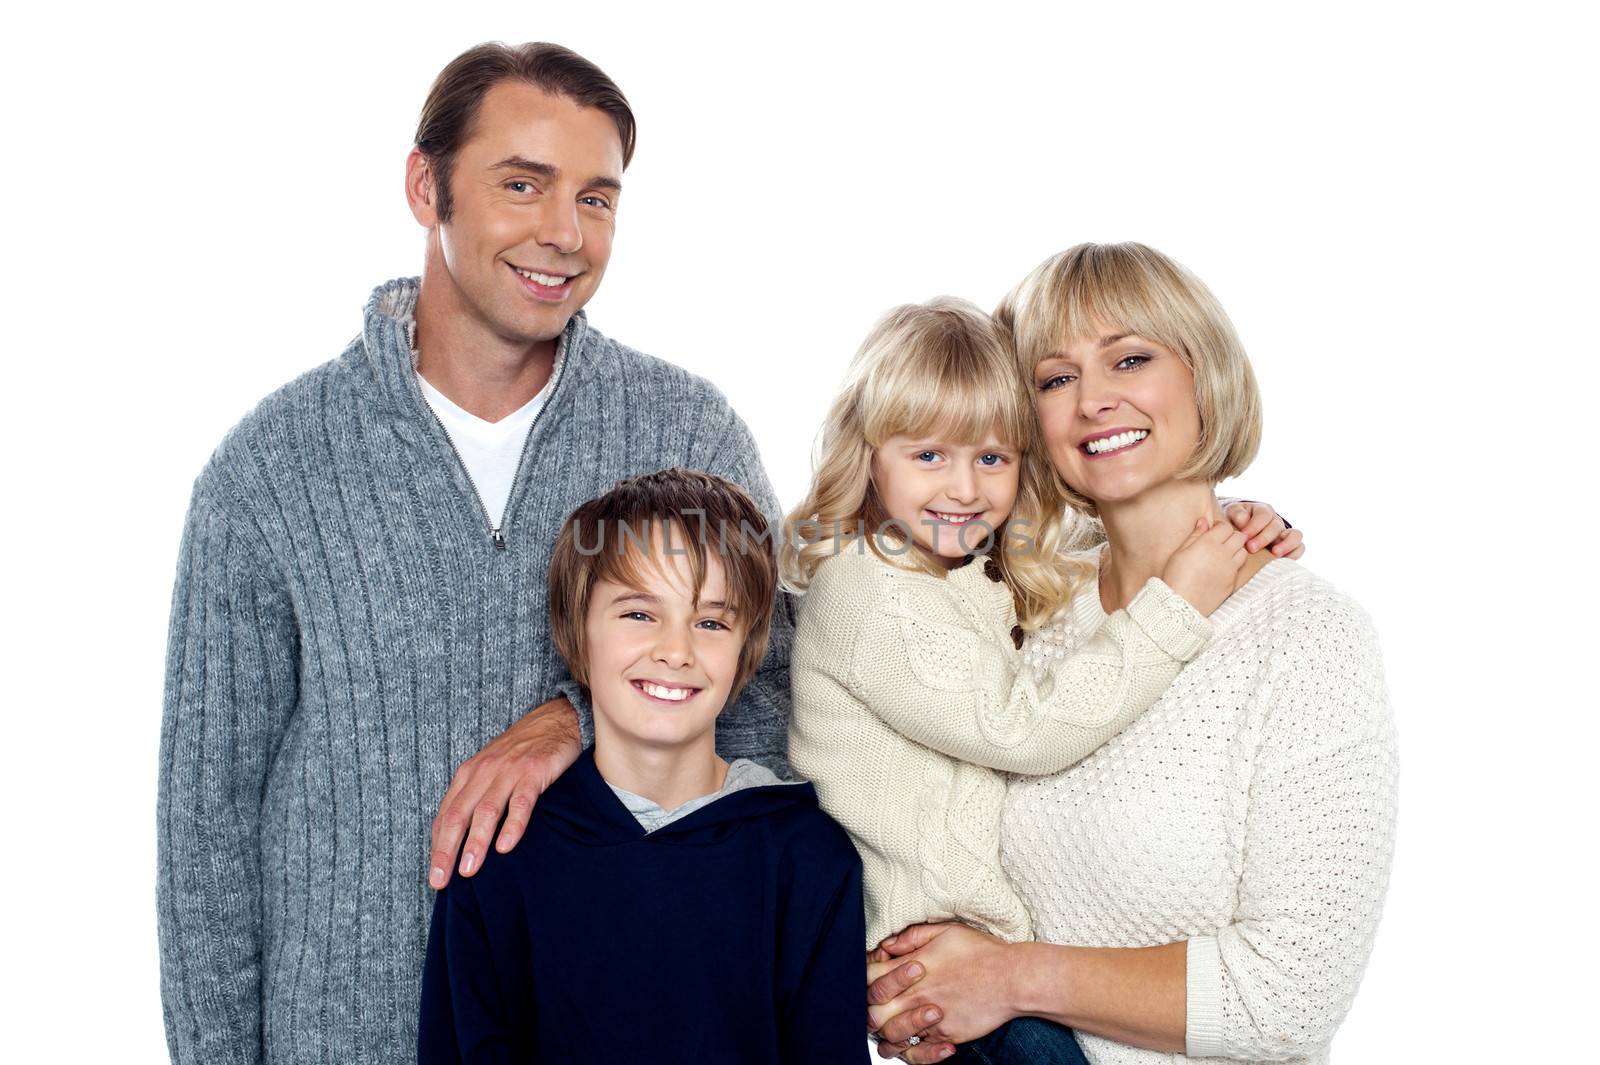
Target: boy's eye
x,y
714,625
636,615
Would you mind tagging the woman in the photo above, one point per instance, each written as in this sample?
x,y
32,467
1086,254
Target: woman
x,y
1208,883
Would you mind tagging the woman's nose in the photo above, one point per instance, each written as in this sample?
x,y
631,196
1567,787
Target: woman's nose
x,y
1096,397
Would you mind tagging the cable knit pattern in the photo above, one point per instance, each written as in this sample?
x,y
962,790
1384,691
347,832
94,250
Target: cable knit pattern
x,y
345,632
909,694
1250,811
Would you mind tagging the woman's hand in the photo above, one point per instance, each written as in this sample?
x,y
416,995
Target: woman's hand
x,y
1262,527
956,975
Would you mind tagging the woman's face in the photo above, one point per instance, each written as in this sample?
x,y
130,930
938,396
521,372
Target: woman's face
x,y
1118,414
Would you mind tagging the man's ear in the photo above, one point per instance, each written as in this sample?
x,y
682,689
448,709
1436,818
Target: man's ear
x,y
422,196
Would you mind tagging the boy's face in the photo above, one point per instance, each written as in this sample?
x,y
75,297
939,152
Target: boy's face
x,y
660,667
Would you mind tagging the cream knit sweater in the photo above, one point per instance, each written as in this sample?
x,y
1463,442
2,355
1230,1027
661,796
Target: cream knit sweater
x,y
908,696
1250,812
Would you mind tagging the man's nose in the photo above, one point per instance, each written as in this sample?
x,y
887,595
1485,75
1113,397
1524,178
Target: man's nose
x,y
559,228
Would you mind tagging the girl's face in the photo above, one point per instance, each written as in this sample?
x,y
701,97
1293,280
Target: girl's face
x,y
950,497
1118,414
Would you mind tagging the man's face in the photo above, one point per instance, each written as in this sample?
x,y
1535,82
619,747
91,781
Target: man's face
x,y
535,191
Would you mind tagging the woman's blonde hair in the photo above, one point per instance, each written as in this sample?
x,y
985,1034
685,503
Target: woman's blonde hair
x,y
1136,289
941,367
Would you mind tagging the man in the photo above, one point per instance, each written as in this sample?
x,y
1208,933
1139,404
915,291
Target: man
x,y
361,599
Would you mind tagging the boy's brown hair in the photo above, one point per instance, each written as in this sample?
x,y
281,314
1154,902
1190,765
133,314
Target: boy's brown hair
x,y
614,537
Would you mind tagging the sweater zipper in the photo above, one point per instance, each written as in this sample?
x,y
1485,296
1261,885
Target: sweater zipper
x,y
496,532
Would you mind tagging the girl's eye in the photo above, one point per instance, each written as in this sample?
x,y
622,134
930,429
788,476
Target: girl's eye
x,y
1132,362
1055,381
991,459
926,456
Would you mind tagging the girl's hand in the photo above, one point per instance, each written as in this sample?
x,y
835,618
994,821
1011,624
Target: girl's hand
x,y
1262,527
959,977
1203,570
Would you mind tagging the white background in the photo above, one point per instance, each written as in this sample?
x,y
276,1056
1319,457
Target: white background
x,y
1396,204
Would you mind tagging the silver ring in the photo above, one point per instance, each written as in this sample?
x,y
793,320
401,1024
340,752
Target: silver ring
x,y
913,1041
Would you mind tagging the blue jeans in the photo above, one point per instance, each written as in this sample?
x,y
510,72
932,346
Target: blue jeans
x,y
1024,1041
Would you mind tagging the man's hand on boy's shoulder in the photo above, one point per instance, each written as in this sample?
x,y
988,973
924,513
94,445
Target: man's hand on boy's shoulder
x,y
506,777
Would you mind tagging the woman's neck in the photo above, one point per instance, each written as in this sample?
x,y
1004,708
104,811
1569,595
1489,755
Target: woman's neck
x,y
1143,534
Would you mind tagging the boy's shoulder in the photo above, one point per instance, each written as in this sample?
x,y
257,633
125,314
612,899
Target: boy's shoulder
x,y
806,835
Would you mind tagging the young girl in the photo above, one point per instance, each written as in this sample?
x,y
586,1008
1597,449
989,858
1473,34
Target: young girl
x,y
909,696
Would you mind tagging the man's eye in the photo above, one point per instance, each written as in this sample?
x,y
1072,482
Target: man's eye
x,y
1060,380
594,201
519,186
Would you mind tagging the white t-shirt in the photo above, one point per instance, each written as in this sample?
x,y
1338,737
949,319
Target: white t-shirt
x,y
489,450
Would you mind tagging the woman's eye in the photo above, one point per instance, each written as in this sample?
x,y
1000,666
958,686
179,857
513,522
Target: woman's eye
x,y
1055,381
1132,362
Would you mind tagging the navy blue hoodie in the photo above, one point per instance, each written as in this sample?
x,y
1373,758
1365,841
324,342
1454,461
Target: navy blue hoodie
x,y
731,935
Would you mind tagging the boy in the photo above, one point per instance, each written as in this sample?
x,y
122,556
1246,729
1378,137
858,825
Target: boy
x,y
664,905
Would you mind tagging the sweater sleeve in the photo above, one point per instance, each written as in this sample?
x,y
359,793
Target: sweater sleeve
x,y
969,695
823,966
466,1016
231,686
1319,835
756,726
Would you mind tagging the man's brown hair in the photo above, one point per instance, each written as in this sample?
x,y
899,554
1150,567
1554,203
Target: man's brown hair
x,y
458,91
618,536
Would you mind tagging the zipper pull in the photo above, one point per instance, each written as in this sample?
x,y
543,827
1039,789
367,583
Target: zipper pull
x,y
499,540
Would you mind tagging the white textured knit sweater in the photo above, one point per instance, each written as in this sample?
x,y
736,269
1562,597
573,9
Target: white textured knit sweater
x,y
909,693
1250,812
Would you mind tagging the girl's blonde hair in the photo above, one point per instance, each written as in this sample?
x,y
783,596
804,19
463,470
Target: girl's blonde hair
x,y
942,367
1134,288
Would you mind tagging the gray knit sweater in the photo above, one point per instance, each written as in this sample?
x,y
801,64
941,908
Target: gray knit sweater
x,y
345,631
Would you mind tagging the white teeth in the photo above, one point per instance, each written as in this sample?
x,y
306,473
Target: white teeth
x,y
953,519
1113,443
676,695
547,280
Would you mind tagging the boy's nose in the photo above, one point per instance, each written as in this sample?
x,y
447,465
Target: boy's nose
x,y
674,649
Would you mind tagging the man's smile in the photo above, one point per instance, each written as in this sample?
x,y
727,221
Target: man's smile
x,y
551,288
